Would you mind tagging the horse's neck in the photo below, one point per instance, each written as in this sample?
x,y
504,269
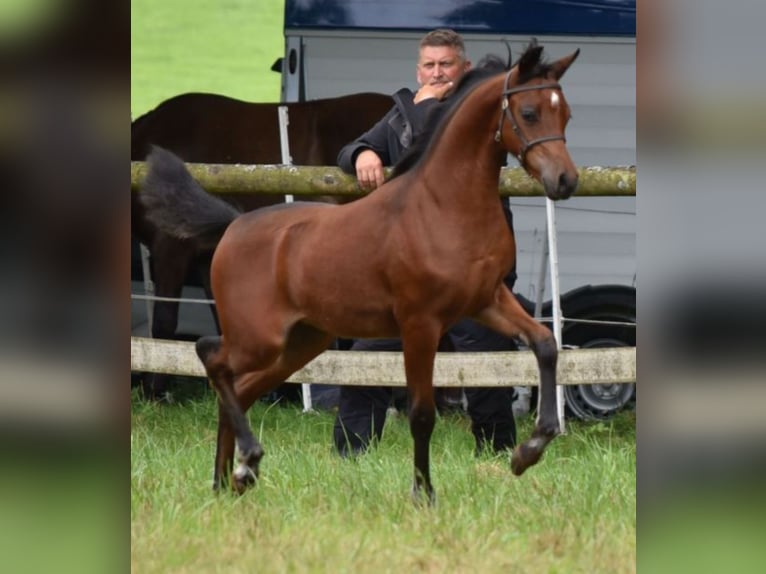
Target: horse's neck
x,y
465,161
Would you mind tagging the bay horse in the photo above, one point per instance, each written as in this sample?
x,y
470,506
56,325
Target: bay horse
x,y
211,128
427,248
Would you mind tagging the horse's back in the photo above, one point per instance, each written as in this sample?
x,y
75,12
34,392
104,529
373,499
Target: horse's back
x,y
213,128
209,128
261,228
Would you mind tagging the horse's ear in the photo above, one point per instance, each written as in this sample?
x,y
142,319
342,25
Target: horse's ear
x,y
509,65
529,59
561,66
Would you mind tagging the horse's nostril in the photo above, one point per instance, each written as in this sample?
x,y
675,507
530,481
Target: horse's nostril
x,y
567,185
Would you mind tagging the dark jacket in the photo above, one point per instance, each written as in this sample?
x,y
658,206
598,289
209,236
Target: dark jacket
x,y
392,135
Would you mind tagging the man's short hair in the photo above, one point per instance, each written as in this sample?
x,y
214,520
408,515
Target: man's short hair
x,y
444,37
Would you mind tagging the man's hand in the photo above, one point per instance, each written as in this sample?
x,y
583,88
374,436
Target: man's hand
x,y
437,90
369,170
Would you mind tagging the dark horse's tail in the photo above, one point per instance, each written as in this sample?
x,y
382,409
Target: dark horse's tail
x,y
178,205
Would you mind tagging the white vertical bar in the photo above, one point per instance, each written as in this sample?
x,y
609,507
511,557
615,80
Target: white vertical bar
x,y
550,211
148,286
284,142
525,392
541,279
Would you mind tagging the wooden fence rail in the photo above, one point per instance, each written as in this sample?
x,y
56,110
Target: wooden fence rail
x,y
518,368
575,367
308,181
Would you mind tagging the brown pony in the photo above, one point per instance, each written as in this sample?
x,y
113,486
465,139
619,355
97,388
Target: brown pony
x,y
427,248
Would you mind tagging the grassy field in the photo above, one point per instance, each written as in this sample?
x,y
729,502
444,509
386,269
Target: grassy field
x,y
313,512
204,46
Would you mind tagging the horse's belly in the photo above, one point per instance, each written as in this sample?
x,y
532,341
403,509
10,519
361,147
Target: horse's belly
x,y
349,317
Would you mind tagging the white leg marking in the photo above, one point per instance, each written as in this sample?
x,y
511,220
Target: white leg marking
x,y
243,471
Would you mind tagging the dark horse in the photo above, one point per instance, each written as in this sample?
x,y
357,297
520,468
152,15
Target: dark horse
x,y
210,128
427,248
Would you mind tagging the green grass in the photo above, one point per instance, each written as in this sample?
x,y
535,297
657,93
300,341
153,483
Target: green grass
x,y
313,512
204,46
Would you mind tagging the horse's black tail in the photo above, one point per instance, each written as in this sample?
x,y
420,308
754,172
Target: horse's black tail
x,y
178,205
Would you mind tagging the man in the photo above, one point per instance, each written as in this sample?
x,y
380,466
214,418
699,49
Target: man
x,y
361,415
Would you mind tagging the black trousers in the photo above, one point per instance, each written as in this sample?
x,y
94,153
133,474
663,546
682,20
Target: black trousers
x,y
362,410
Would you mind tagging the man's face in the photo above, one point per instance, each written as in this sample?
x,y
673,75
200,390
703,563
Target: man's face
x,y
439,65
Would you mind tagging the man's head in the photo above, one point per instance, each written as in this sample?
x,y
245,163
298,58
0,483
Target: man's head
x,y
442,58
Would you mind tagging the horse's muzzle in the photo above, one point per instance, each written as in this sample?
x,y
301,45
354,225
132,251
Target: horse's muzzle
x,y
561,187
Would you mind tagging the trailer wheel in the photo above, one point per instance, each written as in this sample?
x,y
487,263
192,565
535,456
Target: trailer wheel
x,y
603,401
613,303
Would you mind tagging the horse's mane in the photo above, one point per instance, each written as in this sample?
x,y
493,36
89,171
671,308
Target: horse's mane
x,y
531,65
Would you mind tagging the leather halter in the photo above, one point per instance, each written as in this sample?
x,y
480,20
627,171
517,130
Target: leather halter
x,y
506,111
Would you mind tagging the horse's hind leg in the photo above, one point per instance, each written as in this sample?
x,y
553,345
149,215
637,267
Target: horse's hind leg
x,y
203,264
224,451
303,344
508,317
232,421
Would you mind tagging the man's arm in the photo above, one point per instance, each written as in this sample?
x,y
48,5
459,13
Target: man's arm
x,y
375,139
366,155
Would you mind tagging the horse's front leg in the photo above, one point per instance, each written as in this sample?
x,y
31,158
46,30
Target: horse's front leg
x,y
507,316
419,343
543,345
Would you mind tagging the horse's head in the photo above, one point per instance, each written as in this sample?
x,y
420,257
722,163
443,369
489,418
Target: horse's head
x,y
537,114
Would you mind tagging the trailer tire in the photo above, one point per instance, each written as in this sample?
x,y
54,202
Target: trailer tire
x,y
615,303
602,401
608,303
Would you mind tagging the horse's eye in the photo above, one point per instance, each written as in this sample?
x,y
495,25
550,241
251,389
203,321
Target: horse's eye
x,y
529,115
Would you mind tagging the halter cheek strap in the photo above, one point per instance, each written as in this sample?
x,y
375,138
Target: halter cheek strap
x,y
506,111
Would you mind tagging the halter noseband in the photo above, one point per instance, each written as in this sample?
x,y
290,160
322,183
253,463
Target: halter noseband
x,y
506,111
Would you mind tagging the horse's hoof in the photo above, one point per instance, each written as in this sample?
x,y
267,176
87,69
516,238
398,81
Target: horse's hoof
x,y
518,465
246,473
243,478
526,455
